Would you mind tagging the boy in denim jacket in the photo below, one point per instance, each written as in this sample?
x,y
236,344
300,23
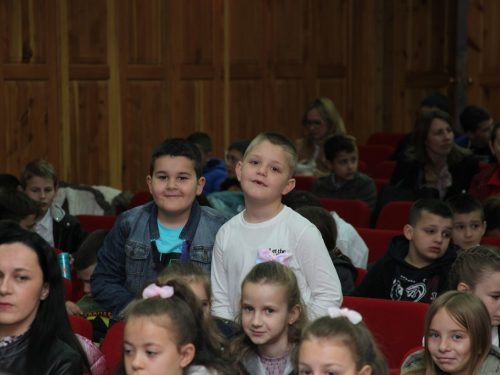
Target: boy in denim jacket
x,y
172,228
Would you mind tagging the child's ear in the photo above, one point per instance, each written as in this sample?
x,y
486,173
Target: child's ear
x,y
187,354
289,186
485,225
20,188
463,287
366,370
294,314
237,169
148,181
328,164
408,232
201,184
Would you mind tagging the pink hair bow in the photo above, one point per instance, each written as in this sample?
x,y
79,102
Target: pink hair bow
x,y
154,290
353,316
267,256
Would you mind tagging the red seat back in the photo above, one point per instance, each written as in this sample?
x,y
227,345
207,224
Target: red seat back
x,y
81,326
356,213
373,155
112,346
492,241
377,241
397,326
91,223
361,274
139,198
304,183
388,139
394,215
361,166
379,182
384,169
68,289
483,166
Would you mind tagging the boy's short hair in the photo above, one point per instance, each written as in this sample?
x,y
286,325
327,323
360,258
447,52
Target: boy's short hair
x,y
280,140
201,139
8,182
38,168
86,255
240,146
432,206
491,207
465,204
437,100
336,144
178,147
16,205
471,116
300,198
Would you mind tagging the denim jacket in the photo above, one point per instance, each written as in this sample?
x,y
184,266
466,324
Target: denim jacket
x,y
129,256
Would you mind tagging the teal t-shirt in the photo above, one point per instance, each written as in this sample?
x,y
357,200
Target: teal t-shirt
x,y
169,244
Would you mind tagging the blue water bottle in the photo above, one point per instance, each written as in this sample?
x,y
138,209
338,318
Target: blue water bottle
x,y
65,265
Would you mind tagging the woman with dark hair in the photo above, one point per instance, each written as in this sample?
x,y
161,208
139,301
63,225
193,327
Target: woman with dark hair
x,y
321,121
434,165
35,334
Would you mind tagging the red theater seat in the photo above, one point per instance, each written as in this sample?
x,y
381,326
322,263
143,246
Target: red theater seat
x,y
356,213
361,274
384,169
91,223
373,155
377,241
139,198
112,346
304,183
388,139
81,326
394,215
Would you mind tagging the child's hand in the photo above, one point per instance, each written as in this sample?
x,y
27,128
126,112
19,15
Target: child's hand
x,y
73,309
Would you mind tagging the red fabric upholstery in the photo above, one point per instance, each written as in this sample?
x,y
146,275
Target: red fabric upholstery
x,y
493,241
361,274
356,213
484,166
81,326
389,139
112,346
91,223
384,169
396,325
373,155
361,166
394,215
379,182
139,198
304,182
377,241
68,289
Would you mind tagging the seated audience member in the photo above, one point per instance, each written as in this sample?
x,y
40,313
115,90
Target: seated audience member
x,y
326,226
348,241
18,207
35,334
416,265
487,183
321,121
235,153
468,221
432,102
491,207
434,166
59,229
148,238
8,182
477,124
344,182
214,170
84,264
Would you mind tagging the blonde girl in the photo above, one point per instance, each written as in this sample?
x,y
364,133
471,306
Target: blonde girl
x,y
272,317
340,343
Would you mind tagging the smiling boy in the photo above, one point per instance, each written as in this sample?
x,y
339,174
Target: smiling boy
x,y
266,174
416,265
172,228
344,182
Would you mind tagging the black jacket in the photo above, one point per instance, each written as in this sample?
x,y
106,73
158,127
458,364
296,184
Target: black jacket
x,y
383,279
67,230
62,359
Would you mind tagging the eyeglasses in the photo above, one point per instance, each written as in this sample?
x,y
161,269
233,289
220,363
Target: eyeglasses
x,y
315,123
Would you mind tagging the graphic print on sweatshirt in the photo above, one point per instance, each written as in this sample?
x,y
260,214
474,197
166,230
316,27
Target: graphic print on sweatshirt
x,y
405,289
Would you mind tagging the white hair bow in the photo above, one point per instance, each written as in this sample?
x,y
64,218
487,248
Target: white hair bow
x,y
353,316
154,290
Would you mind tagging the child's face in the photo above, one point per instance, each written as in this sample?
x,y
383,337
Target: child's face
x,y
448,344
265,317
488,291
495,146
200,292
468,229
264,173
21,288
232,158
84,276
150,349
28,222
174,187
344,166
42,190
429,239
323,356
481,137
